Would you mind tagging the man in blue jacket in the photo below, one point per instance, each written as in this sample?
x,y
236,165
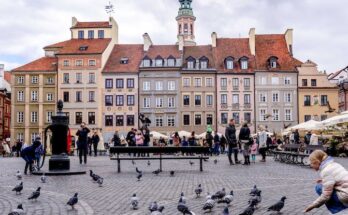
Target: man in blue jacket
x,y
28,154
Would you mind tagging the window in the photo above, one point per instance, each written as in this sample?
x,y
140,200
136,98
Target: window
x,y
91,78
247,83
275,97
67,114
159,121
130,120
171,62
198,119
229,63
262,115
109,120
20,96
130,100
78,96
92,63
66,78
323,117
235,83
224,99
288,114
198,99
159,85
275,115
91,118
119,83
34,79
209,119
147,102
235,99
275,80
304,83
204,64
323,100
236,118
307,118
78,118
187,82
101,34
78,63
186,119
313,82
66,63
247,117
20,117
287,97
224,118
244,64
34,96
171,121
119,100
209,100
307,100
159,62
20,80
198,82
81,34
50,80
247,99
33,136
171,85
78,78
49,97
208,82
263,80
91,96
90,34
159,102
33,118
146,63
66,96
171,102
287,80
273,63
130,82
190,64
119,120
263,97
223,83
108,100
20,136
186,100
108,83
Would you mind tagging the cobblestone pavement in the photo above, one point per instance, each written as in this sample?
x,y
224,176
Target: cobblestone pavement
x,y
274,179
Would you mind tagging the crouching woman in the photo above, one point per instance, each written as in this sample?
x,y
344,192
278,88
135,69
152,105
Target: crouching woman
x,y
332,187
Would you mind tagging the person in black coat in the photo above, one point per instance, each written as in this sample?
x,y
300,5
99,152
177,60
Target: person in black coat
x,y
230,134
244,139
28,154
216,144
95,140
223,143
297,137
209,138
116,139
82,145
131,139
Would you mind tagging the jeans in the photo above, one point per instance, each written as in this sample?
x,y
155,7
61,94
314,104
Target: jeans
x,y
28,165
95,149
235,152
216,148
90,149
263,153
333,205
83,151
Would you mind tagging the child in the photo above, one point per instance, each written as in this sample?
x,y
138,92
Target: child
x,y
333,185
253,151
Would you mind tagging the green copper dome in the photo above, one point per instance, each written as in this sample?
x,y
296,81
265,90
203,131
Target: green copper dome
x,y
185,8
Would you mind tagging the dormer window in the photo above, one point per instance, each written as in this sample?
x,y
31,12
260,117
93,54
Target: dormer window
x,y
159,61
244,63
171,61
191,62
124,60
90,34
146,62
273,62
81,34
229,63
83,48
204,62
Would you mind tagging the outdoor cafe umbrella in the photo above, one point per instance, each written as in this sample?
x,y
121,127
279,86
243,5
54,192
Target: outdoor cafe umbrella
x,y
307,126
339,119
157,135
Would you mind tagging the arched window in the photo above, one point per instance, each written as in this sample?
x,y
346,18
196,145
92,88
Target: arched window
x,y
191,62
171,61
203,61
229,63
146,61
159,61
243,62
273,62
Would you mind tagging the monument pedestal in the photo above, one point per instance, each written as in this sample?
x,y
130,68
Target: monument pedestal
x,y
59,163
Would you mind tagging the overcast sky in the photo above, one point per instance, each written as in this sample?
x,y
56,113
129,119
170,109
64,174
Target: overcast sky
x,y
320,26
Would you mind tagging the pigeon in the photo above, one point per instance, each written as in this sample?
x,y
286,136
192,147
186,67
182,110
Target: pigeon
x,y
95,177
256,199
19,175
208,196
249,210
100,181
254,191
219,194
182,196
153,207
215,161
182,208
198,190
172,173
140,173
18,211
278,206
209,205
73,201
156,172
18,188
227,199
134,202
191,163
43,178
226,211
159,211
35,194
148,163
133,162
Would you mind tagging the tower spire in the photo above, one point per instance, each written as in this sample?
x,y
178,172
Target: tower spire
x,y
186,23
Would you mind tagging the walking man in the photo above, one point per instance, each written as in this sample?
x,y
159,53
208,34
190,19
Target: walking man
x,y
95,141
82,134
230,134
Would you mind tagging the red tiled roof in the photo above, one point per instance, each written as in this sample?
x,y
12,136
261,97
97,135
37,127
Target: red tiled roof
x,y
333,75
163,50
41,64
95,46
133,52
274,45
92,25
236,48
7,77
199,51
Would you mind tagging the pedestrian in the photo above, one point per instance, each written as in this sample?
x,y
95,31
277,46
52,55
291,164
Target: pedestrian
x,y
223,143
161,141
263,143
39,151
116,139
244,139
28,154
184,142
297,137
307,138
146,134
216,144
139,140
314,140
82,145
6,149
19,145
253,151
332,187
230,134
209,140
90,144
292,137
131,139
176,139
95,140
192,139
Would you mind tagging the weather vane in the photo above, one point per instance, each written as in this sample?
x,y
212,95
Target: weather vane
x,y
109,9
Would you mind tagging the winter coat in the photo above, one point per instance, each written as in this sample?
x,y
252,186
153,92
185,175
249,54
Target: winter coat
x,y
216,138
209,138
230,134
28,153
139,140
95,139
131,138
83,135
262,139
297,137
117,140
254,149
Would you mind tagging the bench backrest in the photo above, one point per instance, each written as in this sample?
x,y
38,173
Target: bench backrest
x,y
288,147
315,147
150,149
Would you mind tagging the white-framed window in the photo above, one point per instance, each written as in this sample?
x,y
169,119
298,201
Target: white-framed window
x,y
287,80
20,96
288,115
187,82
171,121
50,80
20,136
263,80
224,118
78,62
20,117
33,136
91,78
171,62
198,119
273,64
147,102
91,96
146,85
224,99
263,97
34,79
209,82
34,95
159,62
229,64
66,78
159,85
159,121
49,97
20,80
275,80
235,99
190,64
244,64
171,102
204,64
235,82
275,97
246,82
275,114
198,82
209,100
287,97
33,118
247,99
146,63
171,85
92,63
223,82
78,96
159,102
48,116
262,114
66,63
79,77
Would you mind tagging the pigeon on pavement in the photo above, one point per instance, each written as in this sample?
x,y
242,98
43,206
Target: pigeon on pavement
x,y
249,210
18,211
219,194
19,175
156,172
256,199
215,161
208,196
133,162
226,211
43,178
159,211
140,173
198,190
94,176
153,207
148,163
278,206
134,202
254,191
182,208
35,194
227,199
209,205
182,196
100,181
18,188
172,173
73,201
191,163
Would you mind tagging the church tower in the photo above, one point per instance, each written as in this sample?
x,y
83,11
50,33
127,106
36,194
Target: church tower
x,y
186,23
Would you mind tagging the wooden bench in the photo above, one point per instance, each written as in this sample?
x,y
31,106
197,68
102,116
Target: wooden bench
x,y
160,151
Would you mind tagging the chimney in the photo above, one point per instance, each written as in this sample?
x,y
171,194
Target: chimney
x,y
147,42
213,39
181,42
73,21
252,41
289,39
